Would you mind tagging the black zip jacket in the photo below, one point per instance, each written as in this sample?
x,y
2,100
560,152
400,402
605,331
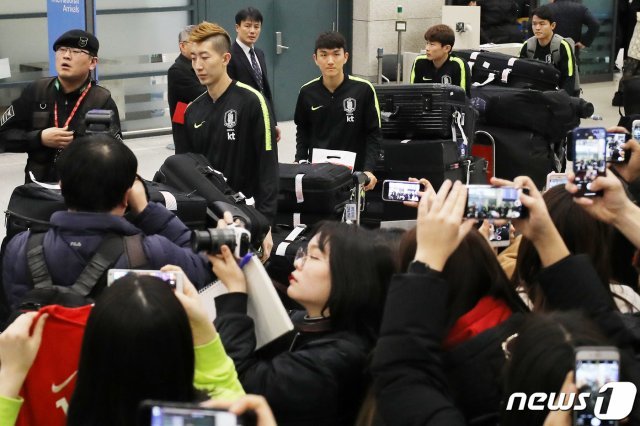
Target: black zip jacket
x,y
236,134
23,122
347,119
313,378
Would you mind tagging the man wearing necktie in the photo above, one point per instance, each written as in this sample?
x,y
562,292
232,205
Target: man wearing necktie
x,y
247,63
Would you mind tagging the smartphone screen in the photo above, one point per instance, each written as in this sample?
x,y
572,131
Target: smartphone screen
x,y
500,235
162,415
589,157
173,278
635,130
615,152
400,190
490,202
595,367
555,179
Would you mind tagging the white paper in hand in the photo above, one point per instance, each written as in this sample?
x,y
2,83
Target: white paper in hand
x,y
271,319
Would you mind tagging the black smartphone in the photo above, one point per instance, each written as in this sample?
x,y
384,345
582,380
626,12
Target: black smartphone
x,y
162,413
595,367
400,190
589,148
615,152
492,202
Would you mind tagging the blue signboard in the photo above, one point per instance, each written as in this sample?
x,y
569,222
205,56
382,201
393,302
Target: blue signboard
x,y
62,16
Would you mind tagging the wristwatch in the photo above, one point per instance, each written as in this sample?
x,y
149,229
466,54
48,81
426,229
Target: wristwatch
x,y
417,267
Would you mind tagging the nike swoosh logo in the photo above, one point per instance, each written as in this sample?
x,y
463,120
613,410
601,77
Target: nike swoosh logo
x,y
426,79
197,126
58,388
313,108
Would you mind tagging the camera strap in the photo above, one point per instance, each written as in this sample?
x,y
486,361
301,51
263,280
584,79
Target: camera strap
x,y
73,111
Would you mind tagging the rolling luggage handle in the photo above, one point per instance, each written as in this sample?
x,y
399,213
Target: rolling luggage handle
x,y
493,149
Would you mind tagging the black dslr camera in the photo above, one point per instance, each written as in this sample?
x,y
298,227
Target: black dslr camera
x,y
212,239
99,121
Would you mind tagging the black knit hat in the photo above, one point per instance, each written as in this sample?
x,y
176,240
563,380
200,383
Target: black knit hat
x,y
78,39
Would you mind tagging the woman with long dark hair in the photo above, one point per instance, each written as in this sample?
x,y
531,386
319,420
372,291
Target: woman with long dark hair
x,y
315,375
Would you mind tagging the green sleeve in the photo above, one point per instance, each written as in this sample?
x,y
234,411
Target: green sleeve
x,y
9,409
215,372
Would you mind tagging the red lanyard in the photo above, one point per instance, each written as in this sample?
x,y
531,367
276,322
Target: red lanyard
x,y
73,111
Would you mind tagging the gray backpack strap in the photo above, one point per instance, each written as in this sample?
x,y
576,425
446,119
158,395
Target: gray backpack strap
x,y
37,265
531,47
108,252
135,252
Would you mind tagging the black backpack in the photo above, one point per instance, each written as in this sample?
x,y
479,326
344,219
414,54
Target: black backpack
x,y
91,281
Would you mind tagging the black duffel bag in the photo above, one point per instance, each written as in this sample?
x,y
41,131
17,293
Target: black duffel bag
x,y
552,113
30,207
192,173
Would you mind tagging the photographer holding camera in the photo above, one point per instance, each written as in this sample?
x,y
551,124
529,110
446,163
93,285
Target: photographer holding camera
x,y
97,199
50,112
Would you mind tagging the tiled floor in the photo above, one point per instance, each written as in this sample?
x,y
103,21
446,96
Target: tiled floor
x,y
152,151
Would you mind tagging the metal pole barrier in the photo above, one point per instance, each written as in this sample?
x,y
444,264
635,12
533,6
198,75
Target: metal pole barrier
x,y
379,57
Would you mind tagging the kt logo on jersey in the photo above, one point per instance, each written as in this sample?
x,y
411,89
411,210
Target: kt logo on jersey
x,y
349,106
230,121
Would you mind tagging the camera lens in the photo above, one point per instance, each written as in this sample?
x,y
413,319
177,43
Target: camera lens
x,y
211,240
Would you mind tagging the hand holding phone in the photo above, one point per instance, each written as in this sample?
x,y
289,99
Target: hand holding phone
x,y
589,148
401,190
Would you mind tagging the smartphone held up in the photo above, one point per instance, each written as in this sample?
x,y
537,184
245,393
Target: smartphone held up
x,y
589,150
401,190
491,202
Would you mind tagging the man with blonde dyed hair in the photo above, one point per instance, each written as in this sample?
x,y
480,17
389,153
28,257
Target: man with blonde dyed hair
x,y
230,123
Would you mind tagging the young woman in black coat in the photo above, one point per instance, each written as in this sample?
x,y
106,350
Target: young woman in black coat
x,y
317,377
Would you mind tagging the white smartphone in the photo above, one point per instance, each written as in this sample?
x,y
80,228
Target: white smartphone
x,y
635,129
174,278
400,190
595,367
555,179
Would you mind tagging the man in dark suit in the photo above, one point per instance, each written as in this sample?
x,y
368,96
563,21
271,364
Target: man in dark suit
x,y
247,63
183,86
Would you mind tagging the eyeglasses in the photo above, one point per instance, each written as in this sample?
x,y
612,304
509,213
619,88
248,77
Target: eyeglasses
x,y
301,257
72,52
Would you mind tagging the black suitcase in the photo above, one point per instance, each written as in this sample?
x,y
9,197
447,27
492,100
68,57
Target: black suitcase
x,y
521,152
422,110
190,208
192,173
435,160
500,69
322,188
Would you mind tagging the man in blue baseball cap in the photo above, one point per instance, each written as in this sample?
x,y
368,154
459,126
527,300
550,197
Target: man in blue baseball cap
x,y
50,112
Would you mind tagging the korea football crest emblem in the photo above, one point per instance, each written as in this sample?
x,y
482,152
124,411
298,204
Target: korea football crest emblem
x,y
349,106
230,121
